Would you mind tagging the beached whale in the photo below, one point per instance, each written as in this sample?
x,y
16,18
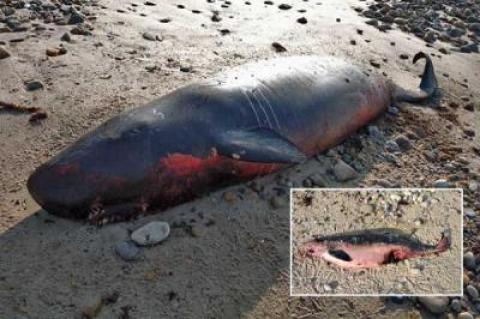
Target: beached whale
x,y
246,122
371,248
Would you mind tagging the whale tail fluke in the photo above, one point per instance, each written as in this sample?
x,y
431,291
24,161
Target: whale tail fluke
x,y
445,242
428,84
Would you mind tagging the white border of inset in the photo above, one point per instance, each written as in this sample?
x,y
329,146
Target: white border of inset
x,y
375,189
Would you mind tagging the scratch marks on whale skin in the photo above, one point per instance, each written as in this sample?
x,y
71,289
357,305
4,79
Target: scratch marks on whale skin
x,y
272,110
261,106
252,106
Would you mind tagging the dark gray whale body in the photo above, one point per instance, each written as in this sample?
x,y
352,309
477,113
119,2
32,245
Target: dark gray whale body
x,y
250,121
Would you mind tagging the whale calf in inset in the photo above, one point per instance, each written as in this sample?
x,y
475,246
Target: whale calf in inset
x,y
247,122
371,248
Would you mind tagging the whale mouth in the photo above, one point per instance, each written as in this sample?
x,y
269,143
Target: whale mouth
x,y
340,254
54,191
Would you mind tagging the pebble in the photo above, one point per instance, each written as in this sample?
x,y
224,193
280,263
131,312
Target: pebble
x,y
332,152
472,292
75,17
384,183
37,117
469,212
473,186
148,36
318,180
384,27
56,51
344,172
431,155
278,202
469,261
224,31
284,6
435,305
455,33
80,30
302,20
278,47
229,197
393,110
4,53
186,69
307,183
198,230
150,68
443,50
91,311
334,284
33,85
127,250
8,11
374,132
375,64
403,143
456,305
440,183
469,107
392,146
468,48
151,233
400,21
430,37
474,27
17,39
465,315
216,17
66,37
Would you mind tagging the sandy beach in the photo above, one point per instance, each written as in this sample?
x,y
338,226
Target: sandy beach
x,y
227,255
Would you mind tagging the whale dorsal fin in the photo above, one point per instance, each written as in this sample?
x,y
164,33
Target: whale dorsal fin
x,y
261,145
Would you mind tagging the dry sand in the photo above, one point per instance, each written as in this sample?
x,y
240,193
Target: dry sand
x,y
427,213
238,267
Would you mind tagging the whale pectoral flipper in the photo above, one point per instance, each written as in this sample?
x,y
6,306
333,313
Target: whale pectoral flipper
x,y
261,145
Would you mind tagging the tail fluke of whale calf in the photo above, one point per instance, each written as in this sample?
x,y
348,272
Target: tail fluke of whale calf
x,y
428,84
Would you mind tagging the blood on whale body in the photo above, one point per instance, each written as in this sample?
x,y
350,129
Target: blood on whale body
x,y
250,121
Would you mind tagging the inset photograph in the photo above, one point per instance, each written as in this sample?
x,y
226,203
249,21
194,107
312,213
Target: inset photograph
x,y
376,242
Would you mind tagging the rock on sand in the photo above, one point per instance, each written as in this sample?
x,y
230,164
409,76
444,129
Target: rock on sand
x,y
151,233
435,305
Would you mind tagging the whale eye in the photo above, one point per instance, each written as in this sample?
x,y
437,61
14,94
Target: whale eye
x,y
340,254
